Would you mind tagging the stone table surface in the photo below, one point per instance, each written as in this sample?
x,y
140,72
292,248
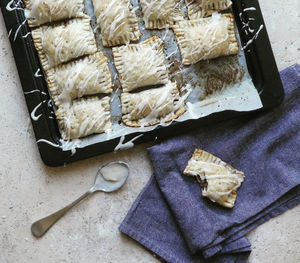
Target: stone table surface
x,y
89,233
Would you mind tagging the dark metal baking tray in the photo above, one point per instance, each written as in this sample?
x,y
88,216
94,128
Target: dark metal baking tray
x,y
260,62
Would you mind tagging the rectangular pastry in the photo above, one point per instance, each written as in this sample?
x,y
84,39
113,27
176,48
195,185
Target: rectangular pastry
x,y
159,13
39,12
64,42
117,20
142,64
84,117
203,8
206,38
86,76
219,181
150,107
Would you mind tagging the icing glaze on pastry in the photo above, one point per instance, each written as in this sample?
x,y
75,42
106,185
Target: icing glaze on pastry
x,y
86,76
117,20
203,8
64,42
149,107
84,117
219,180
39,12
159,13
206,38
141,65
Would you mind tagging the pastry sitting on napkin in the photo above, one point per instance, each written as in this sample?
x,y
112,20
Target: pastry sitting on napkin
x,y
173,220
219,181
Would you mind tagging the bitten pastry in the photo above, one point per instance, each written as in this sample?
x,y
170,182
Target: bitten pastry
x,y
86,76
142,64
64,42
39,12
203,8
84,117
150,107
117,20
206,38
159,13
219,181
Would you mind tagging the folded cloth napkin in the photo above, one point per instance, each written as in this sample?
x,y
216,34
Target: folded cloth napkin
x,y
173,220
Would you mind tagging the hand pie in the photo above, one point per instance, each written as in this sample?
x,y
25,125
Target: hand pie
x,y
86,76
84,117
206,38
152,106
117,20
40,12
64,42
159,13
203,8
219,181
142,64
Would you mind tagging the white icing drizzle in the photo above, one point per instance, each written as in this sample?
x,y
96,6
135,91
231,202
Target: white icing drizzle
x,y
37,74
30,92
16,7
247,29
33,116
219,179
254,37
142,64
48,142
206,38
9,33
62,42
50,104
158,13
127,145
249,9
118,24
39,12
26,35
152,106
87,76
120,129
18,29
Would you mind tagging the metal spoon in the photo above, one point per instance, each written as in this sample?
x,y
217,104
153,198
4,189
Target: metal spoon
x,y
40,227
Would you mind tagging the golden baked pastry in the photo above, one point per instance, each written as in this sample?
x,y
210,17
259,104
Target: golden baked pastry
x,y
142,64
150,107
206,38
219,180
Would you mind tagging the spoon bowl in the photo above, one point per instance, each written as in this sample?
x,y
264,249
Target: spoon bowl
x,y
107,182
110,177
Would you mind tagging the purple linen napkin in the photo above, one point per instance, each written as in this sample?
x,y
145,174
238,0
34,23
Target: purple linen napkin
x,y
172,219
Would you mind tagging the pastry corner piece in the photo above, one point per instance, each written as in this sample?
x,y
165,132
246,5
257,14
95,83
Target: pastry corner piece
x,y
219,181
63,42
84,117
39,12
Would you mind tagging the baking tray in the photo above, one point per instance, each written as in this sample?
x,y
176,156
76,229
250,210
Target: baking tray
x,y
260,63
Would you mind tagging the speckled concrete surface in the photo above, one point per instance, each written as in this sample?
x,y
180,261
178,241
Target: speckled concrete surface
x,y
89,233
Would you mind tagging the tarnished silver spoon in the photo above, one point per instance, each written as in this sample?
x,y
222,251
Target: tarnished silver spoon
x,y
109,178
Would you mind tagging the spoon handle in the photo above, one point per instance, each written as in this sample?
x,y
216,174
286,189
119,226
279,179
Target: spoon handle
x,y
40,227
